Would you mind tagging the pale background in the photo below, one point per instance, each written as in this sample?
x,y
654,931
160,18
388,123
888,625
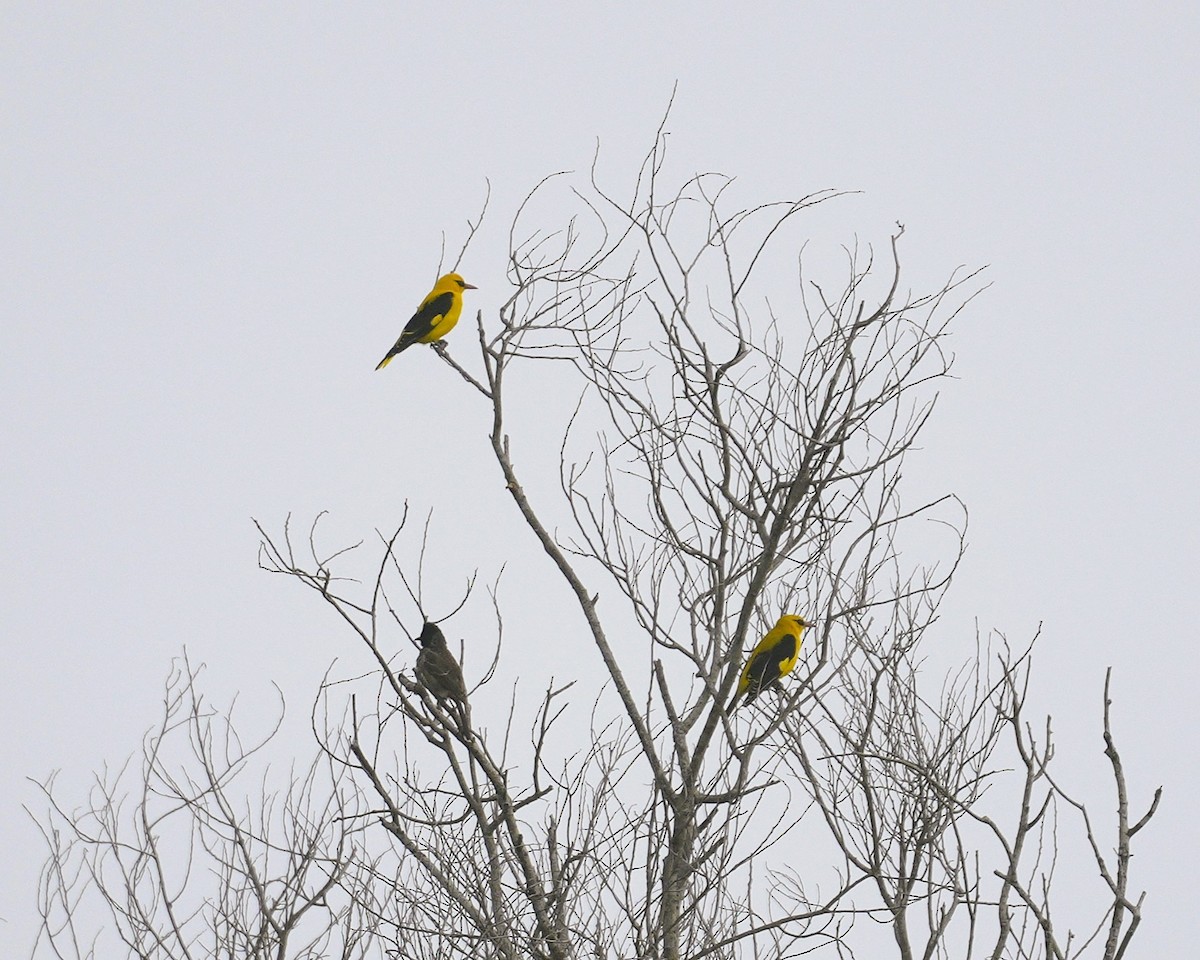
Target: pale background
x,y
216,221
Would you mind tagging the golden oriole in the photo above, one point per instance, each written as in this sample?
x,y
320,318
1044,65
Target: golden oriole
x,y
437,670
435,317
772,659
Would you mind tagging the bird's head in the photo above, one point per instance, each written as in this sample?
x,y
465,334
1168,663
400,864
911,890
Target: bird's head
x,y
799,623
454,281
432,636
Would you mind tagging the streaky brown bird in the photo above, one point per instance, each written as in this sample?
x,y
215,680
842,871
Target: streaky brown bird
x,y
437,670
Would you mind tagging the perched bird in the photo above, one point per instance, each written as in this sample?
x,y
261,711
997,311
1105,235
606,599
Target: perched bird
x,y
437,670
435,317
772,659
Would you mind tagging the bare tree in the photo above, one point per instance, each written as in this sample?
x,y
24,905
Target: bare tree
x,y
188,860
734,450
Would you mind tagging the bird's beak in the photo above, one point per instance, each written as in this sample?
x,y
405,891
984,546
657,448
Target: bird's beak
x,y
469,286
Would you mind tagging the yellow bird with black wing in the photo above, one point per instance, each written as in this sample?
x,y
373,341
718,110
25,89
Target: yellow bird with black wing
x,y
435,317
772,659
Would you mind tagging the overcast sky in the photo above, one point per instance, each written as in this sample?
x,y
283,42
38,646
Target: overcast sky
x,y
216,221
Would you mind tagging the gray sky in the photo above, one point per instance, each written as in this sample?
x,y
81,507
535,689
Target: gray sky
x,y
216,222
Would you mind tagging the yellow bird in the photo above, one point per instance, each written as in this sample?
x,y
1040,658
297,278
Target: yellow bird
x,y
435,317
773,658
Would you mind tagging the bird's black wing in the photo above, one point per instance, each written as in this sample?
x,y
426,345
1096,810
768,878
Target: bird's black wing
x,y
424,319
428,314
764,668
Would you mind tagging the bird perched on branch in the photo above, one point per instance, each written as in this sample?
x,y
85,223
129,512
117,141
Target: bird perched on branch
x,y
437,670
773,658
435,317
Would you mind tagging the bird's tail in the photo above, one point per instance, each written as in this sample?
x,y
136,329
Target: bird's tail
x,y
398,347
